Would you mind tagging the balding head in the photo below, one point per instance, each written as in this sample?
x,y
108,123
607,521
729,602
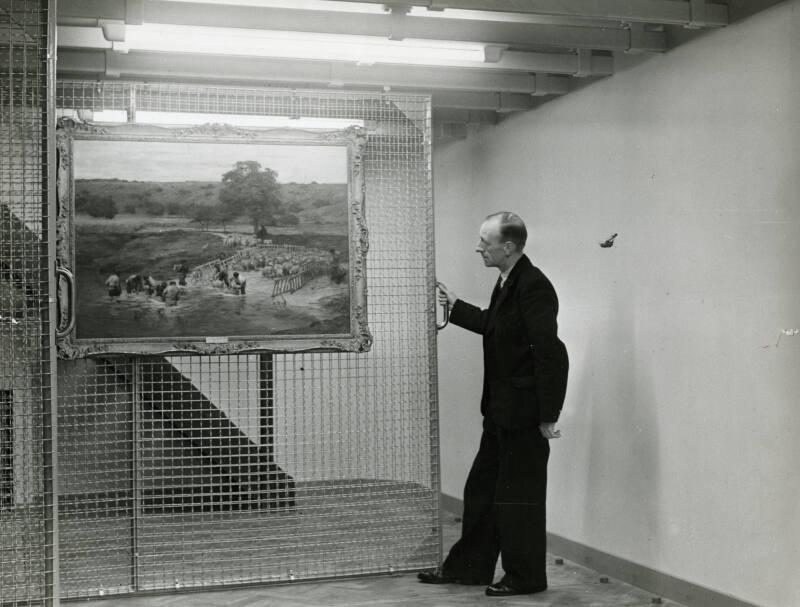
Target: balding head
x,y
510,228
501,239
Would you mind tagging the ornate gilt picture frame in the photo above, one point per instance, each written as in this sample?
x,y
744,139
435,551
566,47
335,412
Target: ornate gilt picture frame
x,y
210,239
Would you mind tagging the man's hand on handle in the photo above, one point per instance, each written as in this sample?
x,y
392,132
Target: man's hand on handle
x,y
446,296
549,431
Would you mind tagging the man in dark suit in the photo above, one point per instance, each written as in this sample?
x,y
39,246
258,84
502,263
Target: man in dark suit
x,y
525,379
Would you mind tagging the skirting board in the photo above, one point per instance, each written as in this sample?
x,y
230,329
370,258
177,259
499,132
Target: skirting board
x,y
653,581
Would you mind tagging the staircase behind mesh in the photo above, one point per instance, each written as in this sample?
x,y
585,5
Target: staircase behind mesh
x,y
194,458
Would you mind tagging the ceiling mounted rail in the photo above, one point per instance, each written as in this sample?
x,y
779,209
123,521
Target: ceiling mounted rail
x,y
667,12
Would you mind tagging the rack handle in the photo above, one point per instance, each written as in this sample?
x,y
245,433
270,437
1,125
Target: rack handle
x,y
65,304
445,310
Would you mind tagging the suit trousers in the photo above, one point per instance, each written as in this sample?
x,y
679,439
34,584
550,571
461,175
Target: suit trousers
x,y
504,510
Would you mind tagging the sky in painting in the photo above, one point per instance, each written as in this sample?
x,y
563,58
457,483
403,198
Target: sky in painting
x,y
184,161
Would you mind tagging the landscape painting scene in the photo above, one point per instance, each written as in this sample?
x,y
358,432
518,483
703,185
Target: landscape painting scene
x,y
210,239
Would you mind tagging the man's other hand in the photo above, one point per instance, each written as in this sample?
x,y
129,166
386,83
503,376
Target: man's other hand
x,y
446,296
549,431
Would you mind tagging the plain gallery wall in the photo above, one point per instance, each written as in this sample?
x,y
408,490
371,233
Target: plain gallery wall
x,y
679,448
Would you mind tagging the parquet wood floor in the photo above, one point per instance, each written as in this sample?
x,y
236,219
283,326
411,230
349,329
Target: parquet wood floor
x,y
570,586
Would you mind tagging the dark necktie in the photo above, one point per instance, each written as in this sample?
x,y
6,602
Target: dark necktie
x,y
498,285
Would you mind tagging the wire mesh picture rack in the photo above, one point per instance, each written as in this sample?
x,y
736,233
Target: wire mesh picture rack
x,y
188,472
27,533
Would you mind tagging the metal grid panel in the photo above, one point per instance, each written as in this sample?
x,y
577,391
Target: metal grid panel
x,y
205,471
26,532
95,431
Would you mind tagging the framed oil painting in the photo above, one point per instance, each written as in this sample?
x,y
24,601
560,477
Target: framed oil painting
x,y
210,239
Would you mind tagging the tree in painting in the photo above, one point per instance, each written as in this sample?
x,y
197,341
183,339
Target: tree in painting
x,y
248,190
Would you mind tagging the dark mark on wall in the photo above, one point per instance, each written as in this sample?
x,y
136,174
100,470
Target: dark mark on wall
x,y
608,243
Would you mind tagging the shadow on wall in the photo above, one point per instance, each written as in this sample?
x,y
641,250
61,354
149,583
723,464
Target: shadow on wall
x,y
623,473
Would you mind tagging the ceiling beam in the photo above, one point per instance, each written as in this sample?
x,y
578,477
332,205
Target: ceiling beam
x,y
667,12
183,67
494,102
611,38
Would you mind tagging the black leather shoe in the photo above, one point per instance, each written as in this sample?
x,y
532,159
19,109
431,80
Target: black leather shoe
x,y
436,577
503,589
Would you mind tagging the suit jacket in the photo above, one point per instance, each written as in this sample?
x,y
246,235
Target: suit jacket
x,y
525,363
